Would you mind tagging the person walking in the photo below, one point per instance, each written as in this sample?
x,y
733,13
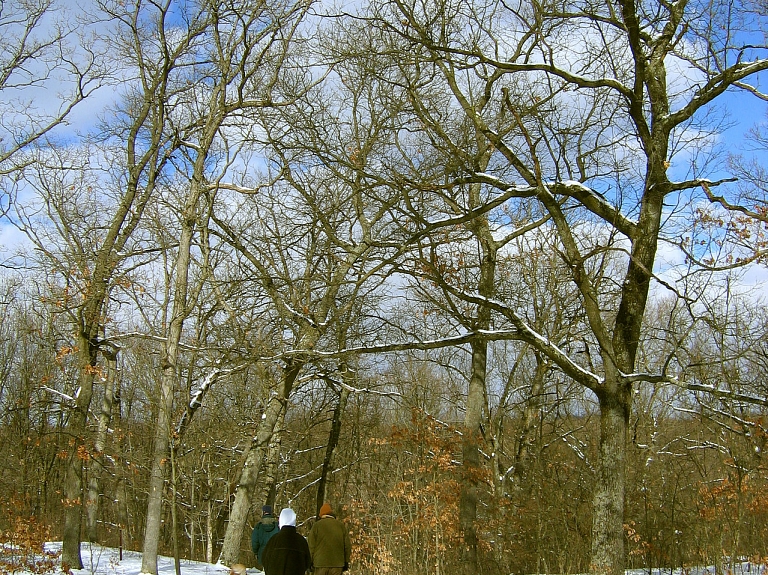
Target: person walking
x,y
287,553
263,532
329,543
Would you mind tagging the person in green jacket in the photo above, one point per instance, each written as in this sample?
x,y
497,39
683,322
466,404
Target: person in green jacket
x,y
329,544
263,532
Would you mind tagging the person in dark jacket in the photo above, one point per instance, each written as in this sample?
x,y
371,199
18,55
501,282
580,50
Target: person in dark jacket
x,y
263,532
287,553
329,544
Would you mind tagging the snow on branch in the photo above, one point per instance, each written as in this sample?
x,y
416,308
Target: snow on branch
x,y
727,394
65,397
596,203
526,333
696,387
196,401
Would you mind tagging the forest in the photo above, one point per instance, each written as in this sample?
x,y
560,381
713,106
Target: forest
x,y
486,275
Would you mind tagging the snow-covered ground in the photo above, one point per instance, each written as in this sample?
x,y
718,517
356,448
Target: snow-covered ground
x,y
98,560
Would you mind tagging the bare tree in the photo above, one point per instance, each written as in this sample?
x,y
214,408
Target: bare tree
x,y
313,241
246,46
84,253
93,244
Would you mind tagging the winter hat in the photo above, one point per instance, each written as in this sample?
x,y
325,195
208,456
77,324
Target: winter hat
x,y
325,510
287,517
266,510
238,569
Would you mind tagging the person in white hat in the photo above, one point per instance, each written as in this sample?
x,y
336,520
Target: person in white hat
x,y
287,553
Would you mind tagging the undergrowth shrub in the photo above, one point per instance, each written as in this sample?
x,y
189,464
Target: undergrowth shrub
x,y
22,543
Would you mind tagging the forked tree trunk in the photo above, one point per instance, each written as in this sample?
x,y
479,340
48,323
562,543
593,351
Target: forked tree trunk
x,y
230,549
473,418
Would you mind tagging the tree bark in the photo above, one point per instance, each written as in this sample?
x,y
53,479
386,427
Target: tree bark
x,y
78,450
93,500
471,456
608,500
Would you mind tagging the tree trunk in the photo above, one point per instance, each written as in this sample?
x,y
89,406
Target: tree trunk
x,y
209,533
93,500
169,379
73,487
333,440
230,549
174,514
152,530
531,419
608,502
121,487
471,456
268,478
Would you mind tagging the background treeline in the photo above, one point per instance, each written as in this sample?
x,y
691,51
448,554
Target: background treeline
x,y
481,273
697,474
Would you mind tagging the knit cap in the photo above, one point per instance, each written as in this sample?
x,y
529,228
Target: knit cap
x,y
325,510
266,510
